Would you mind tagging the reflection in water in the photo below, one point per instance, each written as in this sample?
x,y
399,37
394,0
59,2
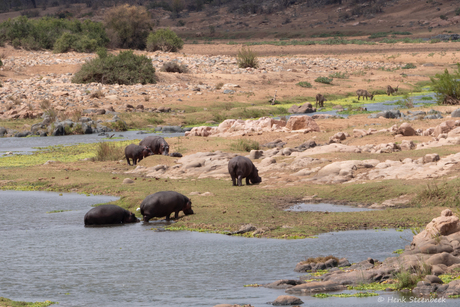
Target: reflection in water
x,y
52,256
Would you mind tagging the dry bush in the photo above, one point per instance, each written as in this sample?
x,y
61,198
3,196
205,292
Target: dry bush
x,y
174,67
97,94
128,26
106,151
320,259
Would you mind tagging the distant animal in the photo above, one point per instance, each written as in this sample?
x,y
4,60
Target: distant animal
x,y
164,203
320,100
241,167
157,144
137,153
109,214
391,91
364,93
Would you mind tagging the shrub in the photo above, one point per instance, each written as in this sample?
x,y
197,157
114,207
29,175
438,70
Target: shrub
x,y
124,68
245,145
174,67
457,11
446,84
128,26
305,84
44,32
443,17
325,80
30,13
106,151
246,58
165,40
338,75
409,66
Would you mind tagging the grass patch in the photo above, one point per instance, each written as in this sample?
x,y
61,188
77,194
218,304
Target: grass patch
x,y
109,151
245,145
409,66
324,80
343,295
4,302
304,84
247,58
339,75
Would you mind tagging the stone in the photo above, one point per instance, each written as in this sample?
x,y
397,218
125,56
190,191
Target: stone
x,y
127,181
443,127
302,122
433,279
455,113
406,130
255,154
428,158
286,300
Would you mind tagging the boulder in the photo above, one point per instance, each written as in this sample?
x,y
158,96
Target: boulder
x,y
255,154
428,158
406,130
444,127
407,145
455,113
286,300
302,122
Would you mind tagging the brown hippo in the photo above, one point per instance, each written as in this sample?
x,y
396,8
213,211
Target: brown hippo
x,y
157,144
109,214
164,203
137,153
241,167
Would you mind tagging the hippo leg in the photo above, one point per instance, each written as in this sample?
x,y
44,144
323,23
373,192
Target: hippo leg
x,y
127,159
168,217
240,178
176,215
247,181
234,180
146,218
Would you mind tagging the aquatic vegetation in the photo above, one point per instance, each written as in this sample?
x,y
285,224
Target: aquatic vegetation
x,y
4,302
57,211
373,286
343,295
252,285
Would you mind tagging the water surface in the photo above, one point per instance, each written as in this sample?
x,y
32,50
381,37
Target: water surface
x,y
52,256
322,207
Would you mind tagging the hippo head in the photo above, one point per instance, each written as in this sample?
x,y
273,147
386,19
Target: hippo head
x,y
255,178
188,209
164,149
146,151
130,218
372,96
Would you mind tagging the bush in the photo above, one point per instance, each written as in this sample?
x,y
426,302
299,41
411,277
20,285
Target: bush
x,y
409,66
124,68
305,84
457,11
338,75
246,58
106,151
325,80
446,84
44,32
165,40
128,26
174,67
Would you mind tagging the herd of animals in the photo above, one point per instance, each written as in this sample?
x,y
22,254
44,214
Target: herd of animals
x,y
360,93
163,203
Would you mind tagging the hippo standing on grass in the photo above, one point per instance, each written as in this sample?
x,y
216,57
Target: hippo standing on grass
x,y
137,153
157,144
241,167
164,203
109,214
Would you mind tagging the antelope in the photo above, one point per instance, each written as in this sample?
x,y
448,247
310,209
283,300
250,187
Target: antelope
x,y
364,93
320,100
391,90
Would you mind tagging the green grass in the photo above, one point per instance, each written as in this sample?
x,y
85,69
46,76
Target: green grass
x,y
344,295
305,84
4,302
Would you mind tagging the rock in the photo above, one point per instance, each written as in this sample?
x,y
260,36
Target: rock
x,y
315,287
443,258
255,154
428,158
283,284
285,300
444,127
406,130
455,113
171,129
407,145
302,122
433,279
127,181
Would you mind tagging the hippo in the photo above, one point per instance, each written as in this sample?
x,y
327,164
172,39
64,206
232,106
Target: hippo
x,y
109,214
241,167
157,144
164,203
137,153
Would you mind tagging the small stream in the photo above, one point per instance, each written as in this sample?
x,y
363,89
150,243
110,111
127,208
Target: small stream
x,y
52,256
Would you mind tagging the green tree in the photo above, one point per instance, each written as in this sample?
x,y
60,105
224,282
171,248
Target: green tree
x,y
446,84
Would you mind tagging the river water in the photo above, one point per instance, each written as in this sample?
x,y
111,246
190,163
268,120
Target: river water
x,y
26,145
52,256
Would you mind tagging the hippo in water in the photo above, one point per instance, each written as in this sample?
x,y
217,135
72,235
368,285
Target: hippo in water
x,y
157,144
109,214
164,203
241,167
137,153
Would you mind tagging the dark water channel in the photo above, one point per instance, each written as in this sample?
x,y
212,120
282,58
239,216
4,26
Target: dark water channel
x,y
25,145
52,256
